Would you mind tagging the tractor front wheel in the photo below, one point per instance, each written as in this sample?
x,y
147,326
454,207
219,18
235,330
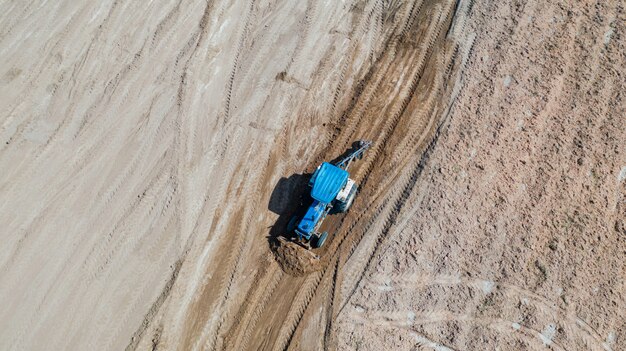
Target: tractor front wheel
x,y
293,222
319,240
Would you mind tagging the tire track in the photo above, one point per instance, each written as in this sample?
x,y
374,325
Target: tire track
x,y
268,272
361,178
330,292
298,307
229,87
301,303
395,189
576,325
98,257
246,321
361,29
366,99
235,260
405,193
392,321
306,27
392,65
79,162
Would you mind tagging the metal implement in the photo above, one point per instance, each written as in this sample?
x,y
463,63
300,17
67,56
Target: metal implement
x,y
331,188
362,146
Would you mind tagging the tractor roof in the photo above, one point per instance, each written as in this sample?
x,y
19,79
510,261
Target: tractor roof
x,y
327,182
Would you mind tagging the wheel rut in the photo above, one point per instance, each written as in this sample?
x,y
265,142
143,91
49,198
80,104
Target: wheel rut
x,y
402,90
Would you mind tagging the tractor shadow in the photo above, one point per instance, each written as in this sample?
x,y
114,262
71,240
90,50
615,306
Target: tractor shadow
x,y
355,146
289,198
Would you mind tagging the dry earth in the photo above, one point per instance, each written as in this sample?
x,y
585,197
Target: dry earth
x,y
151,153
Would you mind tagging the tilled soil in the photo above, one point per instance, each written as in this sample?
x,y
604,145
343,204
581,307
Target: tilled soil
x,y
155,153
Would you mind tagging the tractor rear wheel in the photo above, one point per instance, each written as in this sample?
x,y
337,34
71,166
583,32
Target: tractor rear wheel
x,y
349,202
345,206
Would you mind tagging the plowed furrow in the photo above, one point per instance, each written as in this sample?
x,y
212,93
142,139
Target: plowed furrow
x,y
380,107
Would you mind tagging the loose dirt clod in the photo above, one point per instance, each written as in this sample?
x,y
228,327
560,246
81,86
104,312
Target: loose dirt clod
x,y
294,259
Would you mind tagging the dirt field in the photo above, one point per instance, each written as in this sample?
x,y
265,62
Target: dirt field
x,y
152,153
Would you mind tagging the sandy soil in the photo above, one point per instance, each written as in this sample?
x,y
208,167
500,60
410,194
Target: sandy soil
x,y
153,152
518,241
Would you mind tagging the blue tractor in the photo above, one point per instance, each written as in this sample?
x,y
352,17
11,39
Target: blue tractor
x,y
331,189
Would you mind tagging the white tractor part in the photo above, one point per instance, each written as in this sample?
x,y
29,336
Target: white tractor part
x,y
345,192
346,196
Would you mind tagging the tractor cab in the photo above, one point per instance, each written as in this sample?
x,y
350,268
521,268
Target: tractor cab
x,y
327,181
331,184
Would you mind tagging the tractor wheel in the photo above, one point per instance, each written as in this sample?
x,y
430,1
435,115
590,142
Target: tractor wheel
x,y
349,203
344,207
319,240
293,222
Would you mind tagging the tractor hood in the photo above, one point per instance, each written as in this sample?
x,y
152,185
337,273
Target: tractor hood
x,y
327,181
310,220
